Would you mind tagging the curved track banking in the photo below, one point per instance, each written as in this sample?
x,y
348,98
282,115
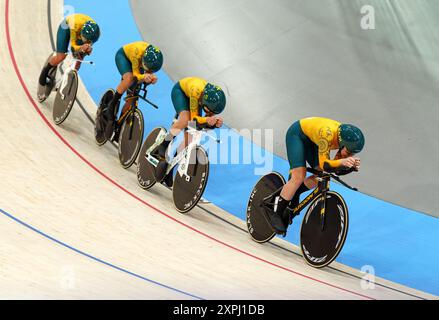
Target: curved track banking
x,y
53,189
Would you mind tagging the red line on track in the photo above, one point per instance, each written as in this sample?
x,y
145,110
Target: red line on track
x,y
26,90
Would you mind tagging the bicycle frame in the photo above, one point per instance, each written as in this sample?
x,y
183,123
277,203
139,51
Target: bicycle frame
x,y
134,97
321,190
130,110
182,157
73,66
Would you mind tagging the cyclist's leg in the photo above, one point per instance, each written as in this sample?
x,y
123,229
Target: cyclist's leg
x,y
127,83
312,157
62,45
125,69
296,156
178,125
299,174
181,106
296,151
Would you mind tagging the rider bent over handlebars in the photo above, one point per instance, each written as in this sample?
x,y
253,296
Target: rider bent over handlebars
x,y
311,140
190,97
136,62
78,30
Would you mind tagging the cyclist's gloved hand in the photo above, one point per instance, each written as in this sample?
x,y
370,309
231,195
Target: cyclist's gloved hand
x,y
219,122
150,78
204,122
86,49
211,121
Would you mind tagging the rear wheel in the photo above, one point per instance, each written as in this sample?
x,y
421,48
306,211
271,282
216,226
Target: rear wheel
x,y
130,138
65,98
44,91
258,227
145,170
321,247
188,189
100,132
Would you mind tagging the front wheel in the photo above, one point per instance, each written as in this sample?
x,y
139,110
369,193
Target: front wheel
x,y
130,138
321,247
65,98
189,187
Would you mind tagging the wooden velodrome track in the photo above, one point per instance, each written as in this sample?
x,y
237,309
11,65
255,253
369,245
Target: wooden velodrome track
x,y
75,225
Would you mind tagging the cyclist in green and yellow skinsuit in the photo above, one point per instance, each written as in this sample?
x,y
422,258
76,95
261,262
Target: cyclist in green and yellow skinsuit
x,y
191,97
136,62
80,32
310,140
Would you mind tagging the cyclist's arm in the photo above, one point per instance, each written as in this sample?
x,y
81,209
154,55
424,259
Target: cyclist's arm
x,y
74,40
135,63
135,54
201,122
329,165
324,144
194,108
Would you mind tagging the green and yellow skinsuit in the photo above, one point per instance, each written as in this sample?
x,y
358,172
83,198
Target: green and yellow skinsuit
x,y
311,140
186,95
69,32
129,59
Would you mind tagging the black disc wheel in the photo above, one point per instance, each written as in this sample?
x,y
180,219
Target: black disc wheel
x,y
258,227
65,98
320,246
130,138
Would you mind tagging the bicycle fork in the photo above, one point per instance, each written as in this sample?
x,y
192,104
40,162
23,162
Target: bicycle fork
x,y
64,82
324,191
130,119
